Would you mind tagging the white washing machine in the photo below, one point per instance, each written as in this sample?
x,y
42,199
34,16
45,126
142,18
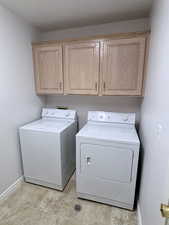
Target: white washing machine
x,y
48,148
107,152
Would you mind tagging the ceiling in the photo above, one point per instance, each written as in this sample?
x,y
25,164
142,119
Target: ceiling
x,y
60,14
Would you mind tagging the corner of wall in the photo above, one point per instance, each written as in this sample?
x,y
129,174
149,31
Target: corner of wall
x,y
139,216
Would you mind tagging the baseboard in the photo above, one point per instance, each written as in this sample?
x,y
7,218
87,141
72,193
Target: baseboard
x,y
139,217
11,189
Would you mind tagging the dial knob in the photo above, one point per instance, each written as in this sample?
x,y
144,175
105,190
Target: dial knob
x,y
68,114
125,119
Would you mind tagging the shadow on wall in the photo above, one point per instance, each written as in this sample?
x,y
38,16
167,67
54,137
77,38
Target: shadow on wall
x,y
139,173
83,104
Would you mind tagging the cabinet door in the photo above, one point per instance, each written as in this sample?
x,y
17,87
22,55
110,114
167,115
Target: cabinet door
x,y
122,66
107,171
81,67
48,69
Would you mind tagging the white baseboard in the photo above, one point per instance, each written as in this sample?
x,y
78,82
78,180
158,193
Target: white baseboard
x,y
139,217
11,189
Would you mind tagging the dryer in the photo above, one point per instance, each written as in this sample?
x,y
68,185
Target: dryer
x,y
107,152
48,148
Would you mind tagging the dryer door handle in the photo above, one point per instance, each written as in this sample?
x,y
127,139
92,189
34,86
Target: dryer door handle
x,y
88,160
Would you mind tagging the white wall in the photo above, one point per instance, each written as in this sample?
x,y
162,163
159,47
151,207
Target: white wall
x,y
155,112
84,103
18,101
102,29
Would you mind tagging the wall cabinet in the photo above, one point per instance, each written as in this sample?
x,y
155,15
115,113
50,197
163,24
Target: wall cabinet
x,y
122,66
48,69
81,67
101,66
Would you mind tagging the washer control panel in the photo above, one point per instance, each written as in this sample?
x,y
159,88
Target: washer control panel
x,y
111,117
58,113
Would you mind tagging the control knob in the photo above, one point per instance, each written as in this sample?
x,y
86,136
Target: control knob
x,y
67,115
125,119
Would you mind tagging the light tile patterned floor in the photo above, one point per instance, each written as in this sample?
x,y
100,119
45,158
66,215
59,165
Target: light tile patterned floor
x,y
36,205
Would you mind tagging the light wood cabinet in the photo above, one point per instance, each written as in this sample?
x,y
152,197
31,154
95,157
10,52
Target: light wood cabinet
x,y
48,69
111,65
122,66
81,68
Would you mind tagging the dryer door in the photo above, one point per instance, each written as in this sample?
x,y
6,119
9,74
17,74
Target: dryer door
x,y
106,162
107,171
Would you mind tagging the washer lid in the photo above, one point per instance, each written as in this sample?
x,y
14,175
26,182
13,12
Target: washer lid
x,y
124,133
51,125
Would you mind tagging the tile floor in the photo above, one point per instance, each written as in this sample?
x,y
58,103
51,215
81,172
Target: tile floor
x,y
36,205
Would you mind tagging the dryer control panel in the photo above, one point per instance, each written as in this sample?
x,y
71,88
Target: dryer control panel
x,y
111,117
58,113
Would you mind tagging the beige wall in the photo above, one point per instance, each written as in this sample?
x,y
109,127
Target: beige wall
x,y
102,29
85,103
18,101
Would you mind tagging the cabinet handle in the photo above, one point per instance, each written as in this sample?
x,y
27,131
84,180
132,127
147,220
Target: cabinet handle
x,y
96,86
60,85
104,85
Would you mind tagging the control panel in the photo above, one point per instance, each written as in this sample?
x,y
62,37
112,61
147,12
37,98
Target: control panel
x,y
111,117
58,113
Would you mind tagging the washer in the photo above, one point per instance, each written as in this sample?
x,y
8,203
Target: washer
x,y
48,148
107,152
